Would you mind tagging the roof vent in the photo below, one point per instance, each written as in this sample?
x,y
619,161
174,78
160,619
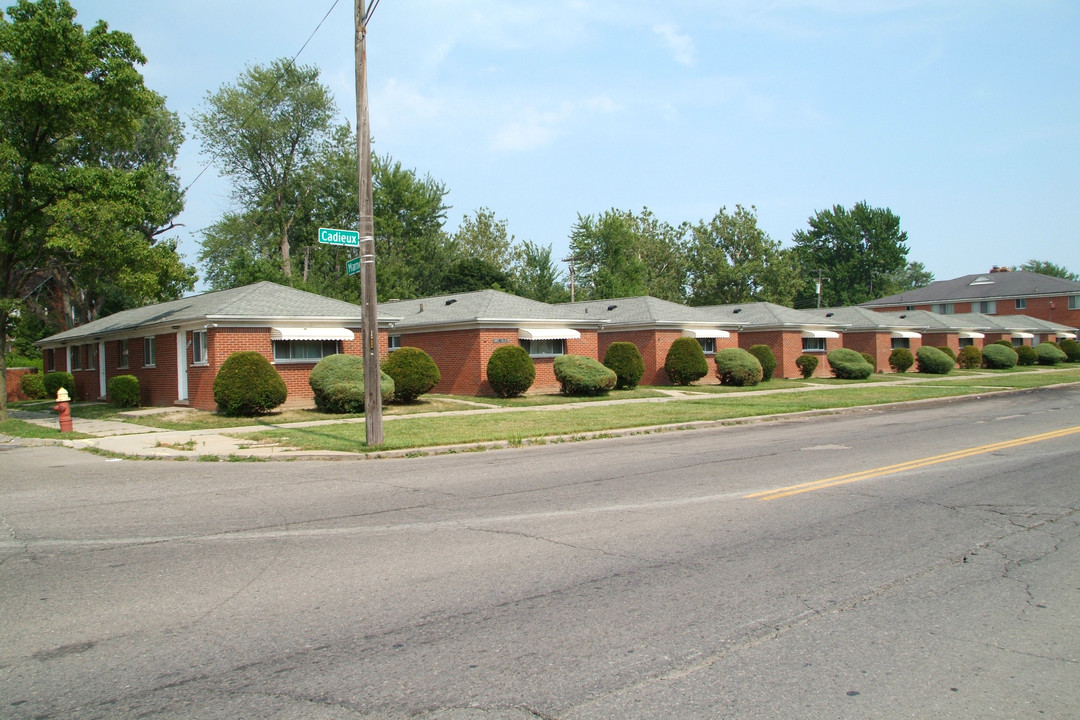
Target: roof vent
x,y
828,314
984,279
612,307
903,315
736,310
451,301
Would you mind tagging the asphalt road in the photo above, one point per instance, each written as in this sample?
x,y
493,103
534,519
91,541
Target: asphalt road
x,y
931,570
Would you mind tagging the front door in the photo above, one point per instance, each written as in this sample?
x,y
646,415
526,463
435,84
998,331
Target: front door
x,y
102,388
181,366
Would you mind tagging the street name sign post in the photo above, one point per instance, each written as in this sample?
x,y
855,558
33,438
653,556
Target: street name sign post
x,y
332,236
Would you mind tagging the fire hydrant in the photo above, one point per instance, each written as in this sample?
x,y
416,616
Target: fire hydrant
x,y
63,407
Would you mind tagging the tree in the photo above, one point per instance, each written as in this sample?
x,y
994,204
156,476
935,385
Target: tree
x,y
858,250
471,273
732,260
662,248
87,182
537,276
265,132
914,275
483,236
1045,267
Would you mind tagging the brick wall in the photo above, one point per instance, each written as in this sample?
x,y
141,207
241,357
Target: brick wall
x,y
654,346
1054,309
787,346
13,378
878,345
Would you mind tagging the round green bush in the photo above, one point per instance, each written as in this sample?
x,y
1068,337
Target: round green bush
x,y
413,371
1026,355
1004,343
124,391
932,361
949,351
765,356
624,359
1071,348
33,386
738,367
869,360
510,371
337,382
685,361
970,357
999,357
901,359
580,375
849,364
247,385
1050,354
807,364
55,380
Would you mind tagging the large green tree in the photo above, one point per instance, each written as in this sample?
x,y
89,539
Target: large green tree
x,y
87,187
858,250
537,276
731,260
605,256
1045,267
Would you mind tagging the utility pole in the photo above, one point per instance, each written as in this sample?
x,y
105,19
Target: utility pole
x,y
819,281
571,260
369,300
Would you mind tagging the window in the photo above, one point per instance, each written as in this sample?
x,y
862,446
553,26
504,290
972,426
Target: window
x,y
1017,342
394,342
50,360
943,308
901,343
304,350
149,352
708,345
966,342
75,358
91,357
1074,302
123,354
986,307
198,347
544,348
813,344
1021,303
909,307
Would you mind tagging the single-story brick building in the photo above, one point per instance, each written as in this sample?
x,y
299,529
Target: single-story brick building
x,y
176,348
873,333
952,331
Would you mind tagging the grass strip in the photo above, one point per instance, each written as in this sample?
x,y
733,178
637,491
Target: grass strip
x,y
20,428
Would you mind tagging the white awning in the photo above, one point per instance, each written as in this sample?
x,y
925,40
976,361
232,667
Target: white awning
x,y
311,333
905,334
820,334
706,333
971,335
548,334
1066,335
1025,335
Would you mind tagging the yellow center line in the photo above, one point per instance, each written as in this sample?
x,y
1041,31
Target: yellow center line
x,y
909,465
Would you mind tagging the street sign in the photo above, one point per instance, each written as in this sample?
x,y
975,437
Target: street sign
x,y
330,236
352,266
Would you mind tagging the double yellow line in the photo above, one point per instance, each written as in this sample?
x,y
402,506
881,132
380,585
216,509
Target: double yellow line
x,y
910,465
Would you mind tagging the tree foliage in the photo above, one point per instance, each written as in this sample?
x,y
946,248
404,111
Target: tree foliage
x,y
1045,267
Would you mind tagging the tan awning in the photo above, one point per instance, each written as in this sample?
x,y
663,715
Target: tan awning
x,y
706,333
311,333
820,334
971,335
548,334
905,334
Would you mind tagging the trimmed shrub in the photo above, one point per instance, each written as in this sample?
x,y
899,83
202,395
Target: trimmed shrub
x,y
901,359
932,361
33,386
1004,343
970,357
624,359
1026,355
510,371
765,356
849,364
1071,348
949,351
124,391
740,368
247,385
685,361
580,375
413,371
807,364
337,382
1049,354
869,360
999,357
55,380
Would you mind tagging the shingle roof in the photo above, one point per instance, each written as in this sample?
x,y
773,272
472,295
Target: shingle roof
x,y
861,319
646,311
260,302
935,322
481,308
767,316
984,286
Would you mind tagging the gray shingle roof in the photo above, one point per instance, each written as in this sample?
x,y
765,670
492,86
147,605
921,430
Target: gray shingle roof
x,y
259,303
935,322
984,286
490,308
858,319
768,316
646,311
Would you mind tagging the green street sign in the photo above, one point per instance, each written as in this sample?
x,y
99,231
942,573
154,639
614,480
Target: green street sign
x,y
352,266
330,236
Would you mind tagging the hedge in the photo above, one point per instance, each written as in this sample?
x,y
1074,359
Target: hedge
x,y
33,386
625,361
1071,348
53,381
247,384
739,368
807,364
124,391
765,356
932,361
1026,355
970,357
901,360
580,375
510,371
337,382
999,357
413,371
1050,354
685,361
849,364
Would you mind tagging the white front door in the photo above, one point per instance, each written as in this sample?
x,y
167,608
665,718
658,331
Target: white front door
x,y
181,366
102,387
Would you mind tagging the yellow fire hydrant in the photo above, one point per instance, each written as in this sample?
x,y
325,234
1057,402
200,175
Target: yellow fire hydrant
x,y
63,407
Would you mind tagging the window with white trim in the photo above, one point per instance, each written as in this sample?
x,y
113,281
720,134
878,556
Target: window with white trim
x,y
1017,341
393,342
966,342
901,343
198,347
123,354
149,346
708,345
811,344
544,348
304,350
91,357
1074,302
1021,303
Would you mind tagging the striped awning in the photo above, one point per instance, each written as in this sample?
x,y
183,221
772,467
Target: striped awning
x,y
820,334
311,333
706,333
548,334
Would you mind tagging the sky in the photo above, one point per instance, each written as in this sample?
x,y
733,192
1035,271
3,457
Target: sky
x,y
961,116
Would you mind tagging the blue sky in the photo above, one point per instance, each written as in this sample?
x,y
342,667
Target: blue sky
x,y
962,116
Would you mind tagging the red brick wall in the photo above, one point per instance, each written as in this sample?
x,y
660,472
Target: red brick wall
x,y
13,378
654,346
1054,309
787,346
876,344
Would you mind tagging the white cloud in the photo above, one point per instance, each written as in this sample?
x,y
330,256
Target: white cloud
x,y
534,129
680,44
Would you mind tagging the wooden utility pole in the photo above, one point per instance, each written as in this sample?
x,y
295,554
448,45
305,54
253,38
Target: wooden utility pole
x,y
369,299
